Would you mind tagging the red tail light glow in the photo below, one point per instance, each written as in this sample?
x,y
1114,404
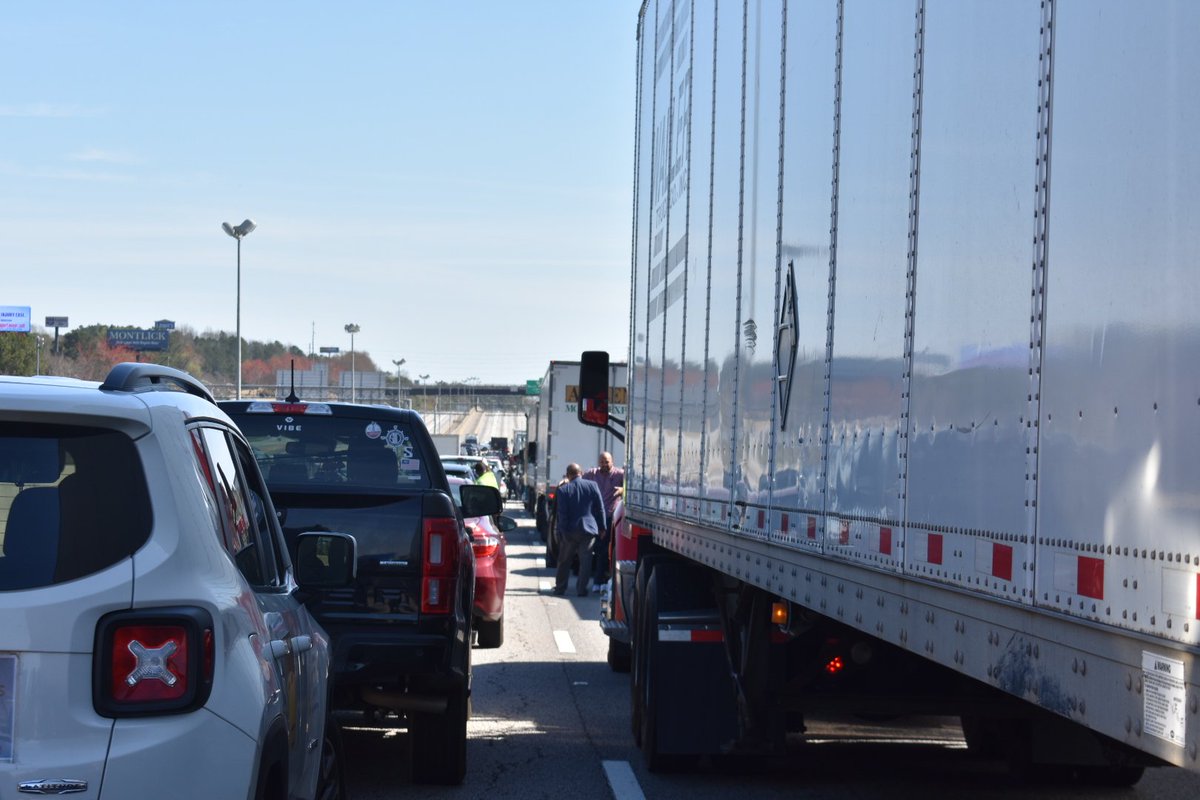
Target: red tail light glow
x,y
835,665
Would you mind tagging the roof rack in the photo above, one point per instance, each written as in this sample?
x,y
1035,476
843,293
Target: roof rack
x,y
131,377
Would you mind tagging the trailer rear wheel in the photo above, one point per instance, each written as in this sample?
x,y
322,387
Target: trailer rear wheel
x,y
620,656
655,760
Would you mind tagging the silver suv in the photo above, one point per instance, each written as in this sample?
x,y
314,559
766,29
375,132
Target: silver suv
x,y
153,632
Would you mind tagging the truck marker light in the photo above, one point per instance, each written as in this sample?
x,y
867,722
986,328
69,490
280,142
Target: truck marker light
x,y
779,613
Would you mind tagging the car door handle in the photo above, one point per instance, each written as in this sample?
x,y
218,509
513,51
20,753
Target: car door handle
x,y
288,647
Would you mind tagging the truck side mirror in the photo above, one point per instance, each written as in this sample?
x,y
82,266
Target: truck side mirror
x,y
592,408
531,452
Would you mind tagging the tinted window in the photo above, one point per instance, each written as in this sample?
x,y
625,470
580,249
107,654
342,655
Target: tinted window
x,y
244,520
332,452
73,500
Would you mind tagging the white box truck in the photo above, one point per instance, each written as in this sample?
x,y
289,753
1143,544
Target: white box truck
x,y
556,437
446,443
904,435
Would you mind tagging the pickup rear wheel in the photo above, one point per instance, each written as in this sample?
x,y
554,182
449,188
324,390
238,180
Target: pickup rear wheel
x,y
491,632
439,742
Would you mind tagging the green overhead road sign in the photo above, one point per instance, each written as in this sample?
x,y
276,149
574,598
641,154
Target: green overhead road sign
x,y
533,387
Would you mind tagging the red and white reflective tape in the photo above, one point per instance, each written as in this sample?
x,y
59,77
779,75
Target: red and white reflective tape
x,y
1082,575
995,559
885,541
668,634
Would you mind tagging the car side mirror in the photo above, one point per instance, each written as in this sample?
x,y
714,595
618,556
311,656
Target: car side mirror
x,y
479,500
325,560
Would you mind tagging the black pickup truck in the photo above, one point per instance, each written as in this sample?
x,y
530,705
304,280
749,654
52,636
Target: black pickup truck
x,y
402,634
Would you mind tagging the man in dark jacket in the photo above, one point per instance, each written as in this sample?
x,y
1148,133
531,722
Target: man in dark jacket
x,y
579,509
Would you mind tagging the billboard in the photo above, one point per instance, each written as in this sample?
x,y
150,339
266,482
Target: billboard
x,y
140,339
15,319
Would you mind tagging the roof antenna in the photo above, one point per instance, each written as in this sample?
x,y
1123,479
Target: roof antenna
x,y
292,398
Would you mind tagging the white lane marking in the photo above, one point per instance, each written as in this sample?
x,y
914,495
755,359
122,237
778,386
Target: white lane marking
x,y
545,586
563,640
623,782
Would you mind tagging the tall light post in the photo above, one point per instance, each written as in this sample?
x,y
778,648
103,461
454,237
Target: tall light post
x,y
470,396
424,393
398,365
239,232
352,329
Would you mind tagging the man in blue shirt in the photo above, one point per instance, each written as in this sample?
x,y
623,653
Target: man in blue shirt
x,y
579,510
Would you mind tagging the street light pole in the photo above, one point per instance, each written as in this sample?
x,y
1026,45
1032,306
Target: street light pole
x,y
424,392
239,232
352,329
398,365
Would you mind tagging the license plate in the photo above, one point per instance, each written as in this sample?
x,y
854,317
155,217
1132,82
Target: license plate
x,y
8,705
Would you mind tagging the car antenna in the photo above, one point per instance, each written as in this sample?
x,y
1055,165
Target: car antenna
x,y
292,398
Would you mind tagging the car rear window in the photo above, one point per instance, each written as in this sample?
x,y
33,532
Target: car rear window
x,y
73,500
332,453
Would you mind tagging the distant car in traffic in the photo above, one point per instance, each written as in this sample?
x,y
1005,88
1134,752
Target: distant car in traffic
x,y
491,570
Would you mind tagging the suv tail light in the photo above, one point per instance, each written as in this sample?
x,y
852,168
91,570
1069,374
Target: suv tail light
x,y
152,661
439,565
485,545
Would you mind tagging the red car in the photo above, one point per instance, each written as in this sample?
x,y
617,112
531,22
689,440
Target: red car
x,y
491,570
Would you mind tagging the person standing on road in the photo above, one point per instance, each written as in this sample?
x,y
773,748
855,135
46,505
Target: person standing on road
x,y
611,481
580,519
484,475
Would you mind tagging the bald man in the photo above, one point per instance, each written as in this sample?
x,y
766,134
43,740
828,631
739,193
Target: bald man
x,y
611,480
579,511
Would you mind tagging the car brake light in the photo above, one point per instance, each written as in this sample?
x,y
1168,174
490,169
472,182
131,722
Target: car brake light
x,y
485,546
153,662
264,407
439,565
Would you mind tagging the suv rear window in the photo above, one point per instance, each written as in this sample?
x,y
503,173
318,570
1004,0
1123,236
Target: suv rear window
x,y
329,452
73,500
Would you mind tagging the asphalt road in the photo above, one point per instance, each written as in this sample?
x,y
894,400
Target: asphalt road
x,y
550,720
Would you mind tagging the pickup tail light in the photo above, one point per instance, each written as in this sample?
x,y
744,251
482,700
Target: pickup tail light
x,y
153,661
439,564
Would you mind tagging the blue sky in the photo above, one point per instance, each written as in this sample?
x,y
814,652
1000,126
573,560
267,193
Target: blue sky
x,y
455,178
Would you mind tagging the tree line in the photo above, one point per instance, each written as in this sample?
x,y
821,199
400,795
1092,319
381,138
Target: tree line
x,y
211,356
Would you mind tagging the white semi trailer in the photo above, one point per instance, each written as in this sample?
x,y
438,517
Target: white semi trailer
x,y
914,412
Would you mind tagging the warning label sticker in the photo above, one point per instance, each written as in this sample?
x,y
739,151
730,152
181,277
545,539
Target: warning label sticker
x,y
1166,695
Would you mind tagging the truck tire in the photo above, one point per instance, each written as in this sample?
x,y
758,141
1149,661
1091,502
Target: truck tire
x,y
439,742
541,518
491,632
656,761
620,656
